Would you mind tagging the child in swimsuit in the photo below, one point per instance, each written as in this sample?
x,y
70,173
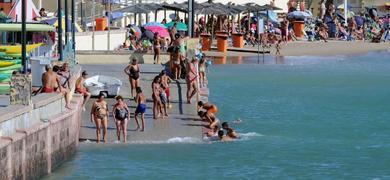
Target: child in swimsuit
x,y
141,108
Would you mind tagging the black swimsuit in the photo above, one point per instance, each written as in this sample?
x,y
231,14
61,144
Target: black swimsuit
x,y
134,73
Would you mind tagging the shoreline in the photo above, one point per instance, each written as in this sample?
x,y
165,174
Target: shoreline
x,y
330,48
319,49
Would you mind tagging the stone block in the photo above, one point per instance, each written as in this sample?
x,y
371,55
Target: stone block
x,y
20,90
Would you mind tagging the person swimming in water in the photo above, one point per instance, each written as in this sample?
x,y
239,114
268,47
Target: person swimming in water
x,y
141,108
230,131
222,137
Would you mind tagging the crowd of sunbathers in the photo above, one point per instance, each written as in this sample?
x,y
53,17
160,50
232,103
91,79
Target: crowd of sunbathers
x,y
217,130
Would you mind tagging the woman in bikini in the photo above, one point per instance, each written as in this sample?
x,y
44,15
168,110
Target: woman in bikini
x,y
133,71
202,71
156,48
121,114
156,89
191,80
99,114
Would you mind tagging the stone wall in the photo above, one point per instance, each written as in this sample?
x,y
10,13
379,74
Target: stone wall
x,y
32,150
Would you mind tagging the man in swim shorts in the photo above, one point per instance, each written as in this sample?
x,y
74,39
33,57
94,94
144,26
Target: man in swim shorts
x,y
50,81
165,80
81,89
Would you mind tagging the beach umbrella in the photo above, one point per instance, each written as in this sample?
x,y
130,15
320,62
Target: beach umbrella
x,y
152,24
179,26
162,31
299,15
135,30
54,22
148,34
137,8
270,7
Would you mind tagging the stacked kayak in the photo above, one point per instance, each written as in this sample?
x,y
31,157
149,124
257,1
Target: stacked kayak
x,y
10,61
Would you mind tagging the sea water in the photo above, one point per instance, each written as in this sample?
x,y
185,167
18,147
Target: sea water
x,y
304,118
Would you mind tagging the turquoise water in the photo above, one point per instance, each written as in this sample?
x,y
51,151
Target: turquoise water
x,y
310,118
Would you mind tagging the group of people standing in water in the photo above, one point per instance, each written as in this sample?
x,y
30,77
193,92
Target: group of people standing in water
x,y
207,112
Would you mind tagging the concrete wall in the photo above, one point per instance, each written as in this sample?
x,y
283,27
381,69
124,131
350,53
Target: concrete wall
x,y
84,40
117,57
37,139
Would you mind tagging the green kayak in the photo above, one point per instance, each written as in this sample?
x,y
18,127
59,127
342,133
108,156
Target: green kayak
x,y
4,88
16,61
13,67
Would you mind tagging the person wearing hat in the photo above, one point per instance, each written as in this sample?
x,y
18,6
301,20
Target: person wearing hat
x,y
81,89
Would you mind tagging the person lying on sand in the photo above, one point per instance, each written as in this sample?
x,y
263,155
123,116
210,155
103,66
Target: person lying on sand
x,y
230,131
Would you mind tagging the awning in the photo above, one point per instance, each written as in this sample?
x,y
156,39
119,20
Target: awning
x,y
29,27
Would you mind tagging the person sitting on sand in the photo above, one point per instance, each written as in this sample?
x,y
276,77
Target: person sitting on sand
x,y
121,114
99,115
230,131
222,137
51,84
141,108
81,89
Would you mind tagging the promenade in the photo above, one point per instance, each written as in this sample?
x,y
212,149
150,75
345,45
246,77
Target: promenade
x,y
182,123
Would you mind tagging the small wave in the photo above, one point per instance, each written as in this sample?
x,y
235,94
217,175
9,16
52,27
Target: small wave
x,y
174,140
183,140
249,135
87,141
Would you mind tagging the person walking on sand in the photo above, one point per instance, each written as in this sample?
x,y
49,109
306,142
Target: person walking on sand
x,y
99,115
133,71
121,114
81,89
156,48
156,97
202,71
191,80
165,80
141,108
51,84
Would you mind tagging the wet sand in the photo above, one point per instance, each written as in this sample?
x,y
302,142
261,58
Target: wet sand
x,y
182,124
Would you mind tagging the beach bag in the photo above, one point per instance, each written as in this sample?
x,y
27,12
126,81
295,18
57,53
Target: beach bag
x,y
121,114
